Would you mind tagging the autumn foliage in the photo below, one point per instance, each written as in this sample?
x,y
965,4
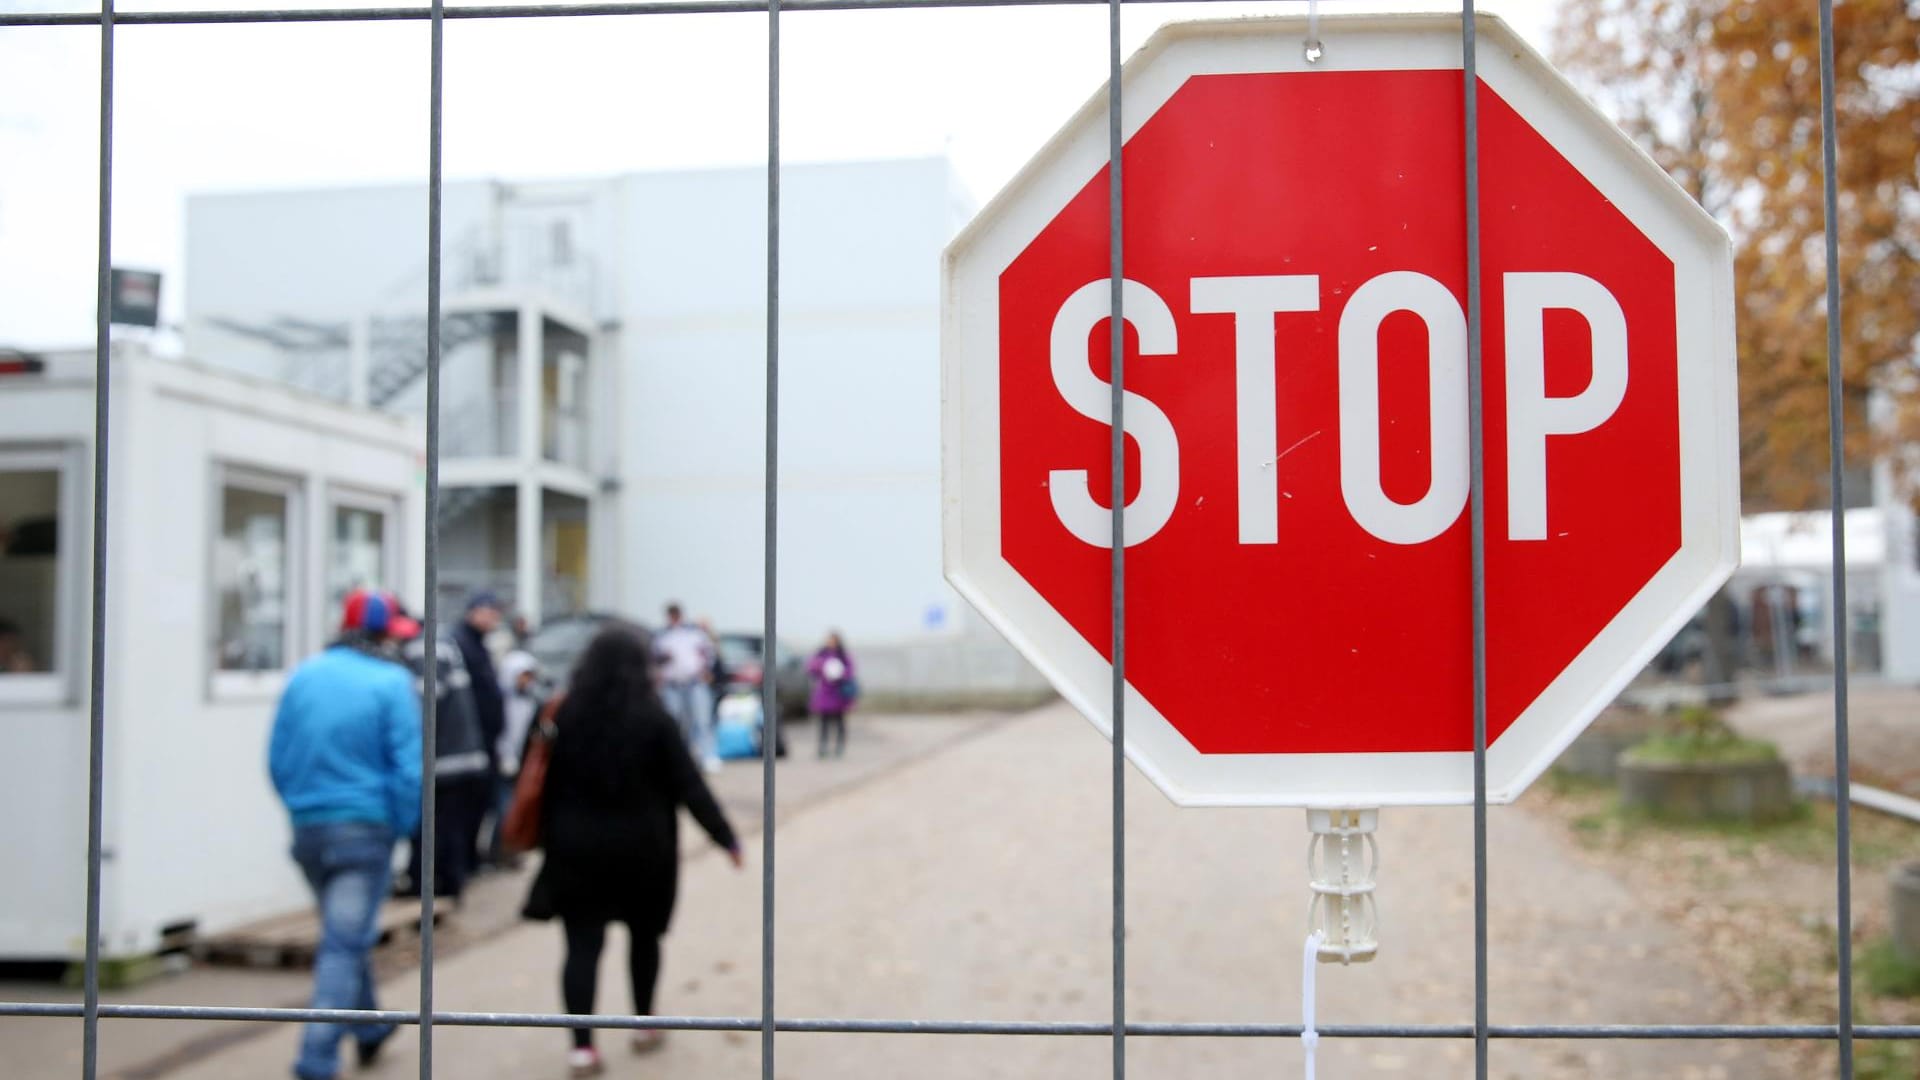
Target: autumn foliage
x,y
1725,94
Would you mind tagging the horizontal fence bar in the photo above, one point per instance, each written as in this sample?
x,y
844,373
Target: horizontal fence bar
x,y
86,1012
529,11
61,1010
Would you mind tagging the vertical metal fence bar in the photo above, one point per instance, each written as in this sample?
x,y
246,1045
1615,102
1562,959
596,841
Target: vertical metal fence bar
x,y
97,658
1836,433
769,698
1117,566
1476,457
430,631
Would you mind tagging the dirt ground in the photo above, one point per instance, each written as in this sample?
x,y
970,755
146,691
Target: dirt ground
x,y
974,883
960,869
1757,906
1761,904
147,1050
1883,731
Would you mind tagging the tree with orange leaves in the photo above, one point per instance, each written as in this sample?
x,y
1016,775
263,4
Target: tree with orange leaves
x,y
1725,94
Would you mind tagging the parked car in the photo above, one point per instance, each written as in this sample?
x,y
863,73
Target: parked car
x,y
560,641
744,657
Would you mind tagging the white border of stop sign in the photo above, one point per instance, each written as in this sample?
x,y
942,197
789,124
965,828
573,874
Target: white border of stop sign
x,y
1709,461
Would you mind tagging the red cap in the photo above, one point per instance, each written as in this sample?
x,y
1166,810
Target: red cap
x,y
377,613
399,623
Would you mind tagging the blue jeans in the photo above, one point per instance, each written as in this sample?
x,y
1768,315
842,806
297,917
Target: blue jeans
x,y
691,703
348,866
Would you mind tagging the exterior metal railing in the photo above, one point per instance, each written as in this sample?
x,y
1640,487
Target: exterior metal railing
x,y
768,1023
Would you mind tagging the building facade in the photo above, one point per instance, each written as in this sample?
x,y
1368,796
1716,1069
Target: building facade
x,y
603,387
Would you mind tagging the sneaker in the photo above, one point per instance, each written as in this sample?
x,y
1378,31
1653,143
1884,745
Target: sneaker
x,y
367,1053
584,1061
647,1040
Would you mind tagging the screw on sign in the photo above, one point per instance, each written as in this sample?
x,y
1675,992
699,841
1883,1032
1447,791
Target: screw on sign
x,y
1298,572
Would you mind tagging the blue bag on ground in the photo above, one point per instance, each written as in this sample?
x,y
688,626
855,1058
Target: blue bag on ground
x,y
736,734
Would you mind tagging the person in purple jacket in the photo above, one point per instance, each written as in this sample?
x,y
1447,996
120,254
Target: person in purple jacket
x,y
834,691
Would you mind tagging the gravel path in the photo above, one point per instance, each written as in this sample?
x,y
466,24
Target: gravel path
x,y
974,883
1885,740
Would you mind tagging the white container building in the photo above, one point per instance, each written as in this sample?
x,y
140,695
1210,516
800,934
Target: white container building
x,y
239,511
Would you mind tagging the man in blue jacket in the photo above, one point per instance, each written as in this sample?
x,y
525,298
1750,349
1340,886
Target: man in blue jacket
x,y
345,758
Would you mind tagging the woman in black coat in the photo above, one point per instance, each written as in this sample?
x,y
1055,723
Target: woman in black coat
x,y
619,772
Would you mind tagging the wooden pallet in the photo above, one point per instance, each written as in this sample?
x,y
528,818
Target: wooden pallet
x,y
289,941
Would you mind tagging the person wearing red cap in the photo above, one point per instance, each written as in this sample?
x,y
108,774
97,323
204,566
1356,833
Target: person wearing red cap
x,y
385,620
345,759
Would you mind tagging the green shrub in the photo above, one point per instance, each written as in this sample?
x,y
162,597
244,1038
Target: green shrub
x,y
1887,973
1686,750
1700,737
1887,1059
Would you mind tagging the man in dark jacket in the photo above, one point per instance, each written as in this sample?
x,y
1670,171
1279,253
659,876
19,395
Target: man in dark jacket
x,y
482,618
345,758
462,769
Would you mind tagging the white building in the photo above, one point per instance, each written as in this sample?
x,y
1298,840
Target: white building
x,y
1786,577
602,445
603,387
239,513
1898,595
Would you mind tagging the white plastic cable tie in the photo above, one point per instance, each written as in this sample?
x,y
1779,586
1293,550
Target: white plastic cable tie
x,y
1309,1038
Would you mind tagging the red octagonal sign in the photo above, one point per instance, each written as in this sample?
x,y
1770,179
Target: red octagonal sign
x,y
1298,572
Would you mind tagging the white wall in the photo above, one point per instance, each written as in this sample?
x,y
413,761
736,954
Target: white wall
x,y
43,773
859,395
1899,581
191,823
323,255
190,759
327,251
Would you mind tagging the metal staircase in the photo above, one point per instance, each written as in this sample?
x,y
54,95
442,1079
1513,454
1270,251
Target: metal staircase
x,y
397,348
314,353
314,360
458,502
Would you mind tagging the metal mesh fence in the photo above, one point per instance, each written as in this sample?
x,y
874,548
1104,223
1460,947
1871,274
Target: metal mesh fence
x,y
769,1023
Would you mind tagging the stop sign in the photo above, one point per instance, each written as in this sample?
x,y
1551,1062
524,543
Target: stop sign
x,y
1298,569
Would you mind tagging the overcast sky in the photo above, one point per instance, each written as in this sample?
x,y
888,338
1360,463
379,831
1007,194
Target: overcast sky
x,y
224,108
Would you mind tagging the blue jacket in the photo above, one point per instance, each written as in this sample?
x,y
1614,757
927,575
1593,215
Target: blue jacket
x,y
346,742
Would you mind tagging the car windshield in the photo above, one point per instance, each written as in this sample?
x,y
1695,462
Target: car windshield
x,y
562,638
738,649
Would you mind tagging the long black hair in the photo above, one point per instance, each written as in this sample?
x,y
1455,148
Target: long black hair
x,y
612,722
613,681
